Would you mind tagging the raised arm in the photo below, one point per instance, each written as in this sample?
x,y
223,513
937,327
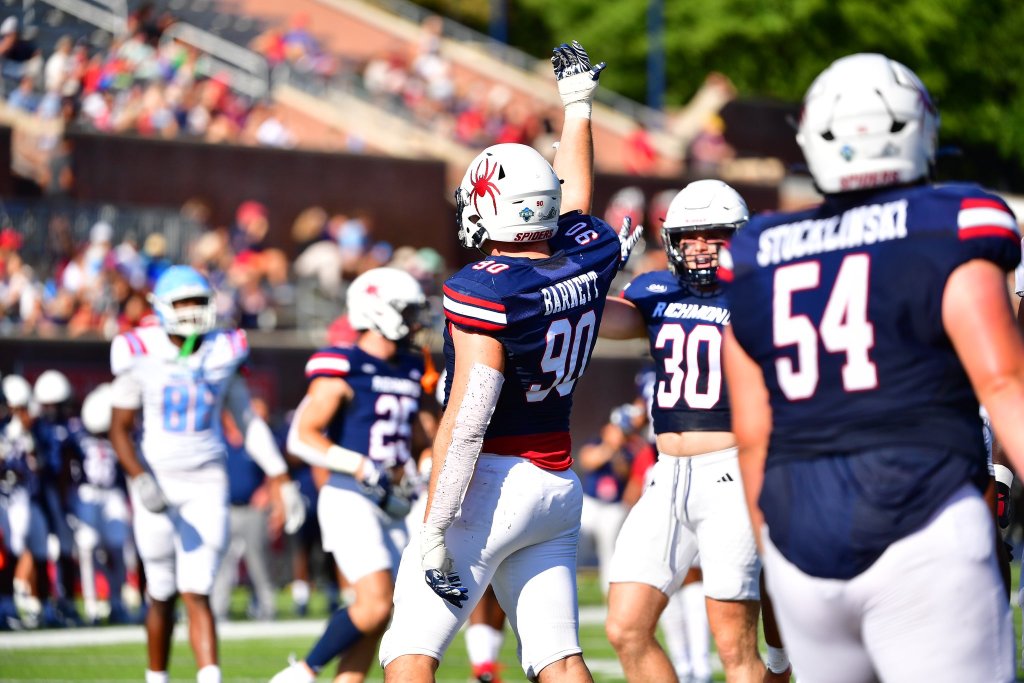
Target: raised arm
x,y
574,161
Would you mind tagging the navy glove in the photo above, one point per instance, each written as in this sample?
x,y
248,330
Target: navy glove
x,y
438,567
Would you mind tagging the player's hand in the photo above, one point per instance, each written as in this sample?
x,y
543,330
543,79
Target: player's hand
x,y
628,239
438,567
294,507
148,492
373,480
577,78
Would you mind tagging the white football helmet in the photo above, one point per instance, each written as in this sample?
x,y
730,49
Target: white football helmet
x,y
96,409
702,205
52,388
17,391
387,300
510,193
867,121
176,284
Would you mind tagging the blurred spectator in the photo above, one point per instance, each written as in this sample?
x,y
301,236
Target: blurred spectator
x,y
709,149
18,56
641,157
24,98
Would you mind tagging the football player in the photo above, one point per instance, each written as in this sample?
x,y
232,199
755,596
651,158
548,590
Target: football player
x,y
864,333
358,420
101,507
503,504
181,376
695,501
22,523
60,463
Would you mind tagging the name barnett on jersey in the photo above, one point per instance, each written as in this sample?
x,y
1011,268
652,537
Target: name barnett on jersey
x,y
856,227
566,294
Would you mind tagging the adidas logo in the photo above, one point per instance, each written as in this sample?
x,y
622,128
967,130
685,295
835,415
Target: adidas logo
x,y
727,477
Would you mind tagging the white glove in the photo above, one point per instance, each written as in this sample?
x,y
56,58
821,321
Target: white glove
x,y
577,79
433,551
148,492
628,239
294,507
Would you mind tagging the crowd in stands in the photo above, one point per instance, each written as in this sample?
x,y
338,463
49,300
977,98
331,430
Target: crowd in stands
x,y
98,286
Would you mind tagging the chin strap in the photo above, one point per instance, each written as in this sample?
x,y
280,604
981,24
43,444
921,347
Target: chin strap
x,y
189,346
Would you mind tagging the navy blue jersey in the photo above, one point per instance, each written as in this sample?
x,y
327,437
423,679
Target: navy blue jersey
x,y
685,331
378,419
841,307
546,313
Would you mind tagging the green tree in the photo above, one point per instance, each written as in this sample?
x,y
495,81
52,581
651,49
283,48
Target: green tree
x,y
966,51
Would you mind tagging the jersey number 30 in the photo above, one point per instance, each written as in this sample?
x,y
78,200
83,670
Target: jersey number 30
x,y
844,327
685,383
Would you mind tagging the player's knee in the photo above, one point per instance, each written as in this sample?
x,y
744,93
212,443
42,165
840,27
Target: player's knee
x,y
624,633
372,615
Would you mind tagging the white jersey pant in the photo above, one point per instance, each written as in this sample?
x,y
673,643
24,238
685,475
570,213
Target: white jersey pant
x,y
517,529
601,522
23,524
361,536
693,504
932,608
181,548
102,518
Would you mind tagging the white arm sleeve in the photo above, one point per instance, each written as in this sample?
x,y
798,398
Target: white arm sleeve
x,y
259,440
471,422
334,458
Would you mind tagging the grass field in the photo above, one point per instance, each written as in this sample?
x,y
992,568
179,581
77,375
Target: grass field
x,y
255,658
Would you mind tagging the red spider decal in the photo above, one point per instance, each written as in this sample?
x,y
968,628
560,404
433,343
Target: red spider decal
x,y
371,290
482,185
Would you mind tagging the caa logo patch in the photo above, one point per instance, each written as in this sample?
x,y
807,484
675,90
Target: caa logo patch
x,y
657,289
526,214
368,369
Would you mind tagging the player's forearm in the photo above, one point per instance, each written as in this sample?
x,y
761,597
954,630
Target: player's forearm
x,y
262,448
465,430
124,448
307,442
574,164
621,320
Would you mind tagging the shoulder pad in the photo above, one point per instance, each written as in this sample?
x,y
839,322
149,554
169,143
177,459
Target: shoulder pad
x,y
332,361
472,305
124,350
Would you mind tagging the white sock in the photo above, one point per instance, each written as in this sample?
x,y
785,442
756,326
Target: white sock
x,y
300,592
698,634
208,674
673,629
483,643
156,676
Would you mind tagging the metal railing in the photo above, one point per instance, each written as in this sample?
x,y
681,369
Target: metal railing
x,y
109,15
516,57
248,70
43,222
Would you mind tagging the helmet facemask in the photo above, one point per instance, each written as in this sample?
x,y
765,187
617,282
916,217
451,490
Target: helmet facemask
x,y
193,315
693,253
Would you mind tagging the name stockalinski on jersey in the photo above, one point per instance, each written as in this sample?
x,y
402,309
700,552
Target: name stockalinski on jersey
x,y
854,228
576,291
